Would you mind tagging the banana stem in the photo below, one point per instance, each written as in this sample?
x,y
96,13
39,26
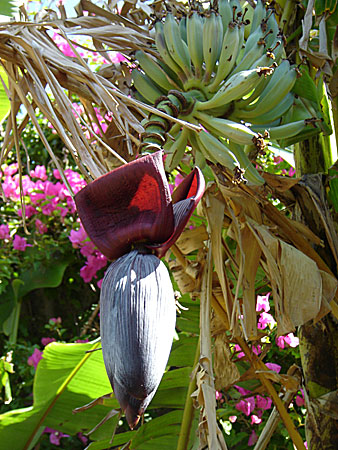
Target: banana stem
x,y
188,413
334,103
287,12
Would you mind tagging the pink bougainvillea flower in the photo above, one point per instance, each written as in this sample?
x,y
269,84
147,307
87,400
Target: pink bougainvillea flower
x,y
56,320
39,172
20,243
265,320
300,401
263,403
218,395
77,237
242,391
252,439
274,367
263,303
246,406
11,169
34,359
4,232
82,438
46,340
41,227
132,204
255,419
54,435
29,211
290,339
232,419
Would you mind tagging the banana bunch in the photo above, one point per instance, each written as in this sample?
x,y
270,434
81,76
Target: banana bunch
x,y
235,77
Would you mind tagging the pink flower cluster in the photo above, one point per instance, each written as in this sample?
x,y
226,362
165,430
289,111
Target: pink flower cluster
x,y
95,259
45,196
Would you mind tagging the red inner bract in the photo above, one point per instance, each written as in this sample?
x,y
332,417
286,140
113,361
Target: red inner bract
x,y
132,204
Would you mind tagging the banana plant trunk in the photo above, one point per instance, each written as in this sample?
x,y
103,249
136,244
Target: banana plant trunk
x,y
318,342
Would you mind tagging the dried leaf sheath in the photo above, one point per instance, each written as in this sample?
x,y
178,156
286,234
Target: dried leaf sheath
x,y
137,325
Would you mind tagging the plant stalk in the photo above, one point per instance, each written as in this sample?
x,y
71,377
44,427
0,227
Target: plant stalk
x,y
188,413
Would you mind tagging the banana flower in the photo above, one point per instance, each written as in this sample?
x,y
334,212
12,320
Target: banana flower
x,y
131,217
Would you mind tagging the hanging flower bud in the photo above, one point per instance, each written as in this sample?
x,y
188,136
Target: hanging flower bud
x,y
130,215
137,322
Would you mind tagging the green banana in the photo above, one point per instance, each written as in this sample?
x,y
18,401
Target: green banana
x,y
226,13
287,130
275,113
177,150
212,43
272,25
183,28
251,173
214,150
164,52
250,59
234,131
227,59
155,71
195,41
145,87
272,95
234,88
177,47
258,15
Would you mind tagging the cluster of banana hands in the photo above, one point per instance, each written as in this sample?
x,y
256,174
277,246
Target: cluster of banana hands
x,y
235,73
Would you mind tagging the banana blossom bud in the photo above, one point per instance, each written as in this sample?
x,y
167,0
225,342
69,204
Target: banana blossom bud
x,y
130,216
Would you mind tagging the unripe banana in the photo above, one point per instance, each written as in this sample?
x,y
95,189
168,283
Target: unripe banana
x,y
212,43
145,87
215,151
258,16
234,88
155,72
234,131
226,12
227,59
286,131
177,150
164,53
183,28
177,47
251,173
272,95
275,113
272,25
195,41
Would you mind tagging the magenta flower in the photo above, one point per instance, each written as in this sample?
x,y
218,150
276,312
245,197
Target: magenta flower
x,y
82,438
77,237
263,303
93,265
252,439
263,403
242,391
56,320
274,367
40,226
55,436
34,359
11,169
20,243
39,172
265,319
4,232
290,339
218,395
87,249
300,401
29,211
232,419
255,419
47,340
246,406
133,204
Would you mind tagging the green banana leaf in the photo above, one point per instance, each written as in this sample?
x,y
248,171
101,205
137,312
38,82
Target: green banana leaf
x,y
66,377
43,275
